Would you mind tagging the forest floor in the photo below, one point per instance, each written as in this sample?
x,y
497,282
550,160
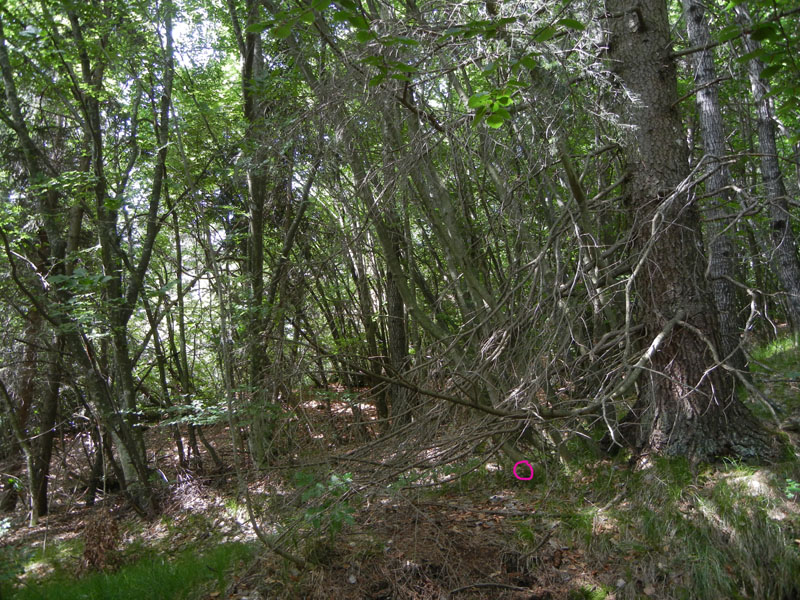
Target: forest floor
x,y
584,527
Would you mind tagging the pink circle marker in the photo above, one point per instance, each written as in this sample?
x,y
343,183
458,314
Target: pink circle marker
x,y
529,466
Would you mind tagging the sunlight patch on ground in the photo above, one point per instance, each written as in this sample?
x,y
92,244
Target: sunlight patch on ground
x,y
755,484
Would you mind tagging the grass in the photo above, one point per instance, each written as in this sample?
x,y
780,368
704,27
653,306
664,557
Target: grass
x,y
776,370
723,532
147,579
779,355
684,532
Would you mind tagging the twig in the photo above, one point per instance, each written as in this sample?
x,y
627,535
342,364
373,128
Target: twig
x,y
504,586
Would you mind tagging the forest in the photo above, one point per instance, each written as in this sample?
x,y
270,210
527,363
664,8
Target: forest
x,y
399,299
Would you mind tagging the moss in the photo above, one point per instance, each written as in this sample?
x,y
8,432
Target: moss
x,y
587,592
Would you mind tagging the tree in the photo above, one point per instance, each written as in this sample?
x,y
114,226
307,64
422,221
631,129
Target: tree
x,y
484,218
79,69
687,403
722,267
784,247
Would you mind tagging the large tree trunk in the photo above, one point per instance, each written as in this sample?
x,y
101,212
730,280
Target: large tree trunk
x,y
687,403
722,250
784,248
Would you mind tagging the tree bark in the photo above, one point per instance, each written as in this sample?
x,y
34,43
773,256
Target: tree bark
x,y
399,401
43,442
784,247
24,444
687,404
261,421
122,298
722,264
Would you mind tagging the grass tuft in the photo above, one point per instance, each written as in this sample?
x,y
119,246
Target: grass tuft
x,y
147,579
726,533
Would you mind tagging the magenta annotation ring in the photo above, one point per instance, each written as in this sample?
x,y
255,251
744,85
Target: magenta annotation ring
x,y
523,462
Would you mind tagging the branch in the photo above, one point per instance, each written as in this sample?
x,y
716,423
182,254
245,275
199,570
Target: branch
x,y
737,373
698,88
454,399
490,584
159,174
288,241
420,113
631,378
744,31
26,292
237,28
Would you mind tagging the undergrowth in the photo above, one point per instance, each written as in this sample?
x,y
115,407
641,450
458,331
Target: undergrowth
x,y
592,525
146,579
715,533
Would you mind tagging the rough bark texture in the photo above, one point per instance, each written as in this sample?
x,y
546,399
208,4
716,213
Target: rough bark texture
x,y
687,406
722,250
784,248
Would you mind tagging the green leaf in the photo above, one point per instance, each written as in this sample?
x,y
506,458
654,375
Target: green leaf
x,y
479,99
282,31
728,33
504,100
494,121
113,203
757,53
308,17
502,112
770,71
320,5
406,41
764,31
399,66
545,34
528,62
479,114
357,21
363,36
377,80
257,27
572,24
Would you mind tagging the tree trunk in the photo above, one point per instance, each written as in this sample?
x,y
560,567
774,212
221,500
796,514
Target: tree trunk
x,y
261,421
24,444
784,247
687,404
722,267
43,443
399,401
